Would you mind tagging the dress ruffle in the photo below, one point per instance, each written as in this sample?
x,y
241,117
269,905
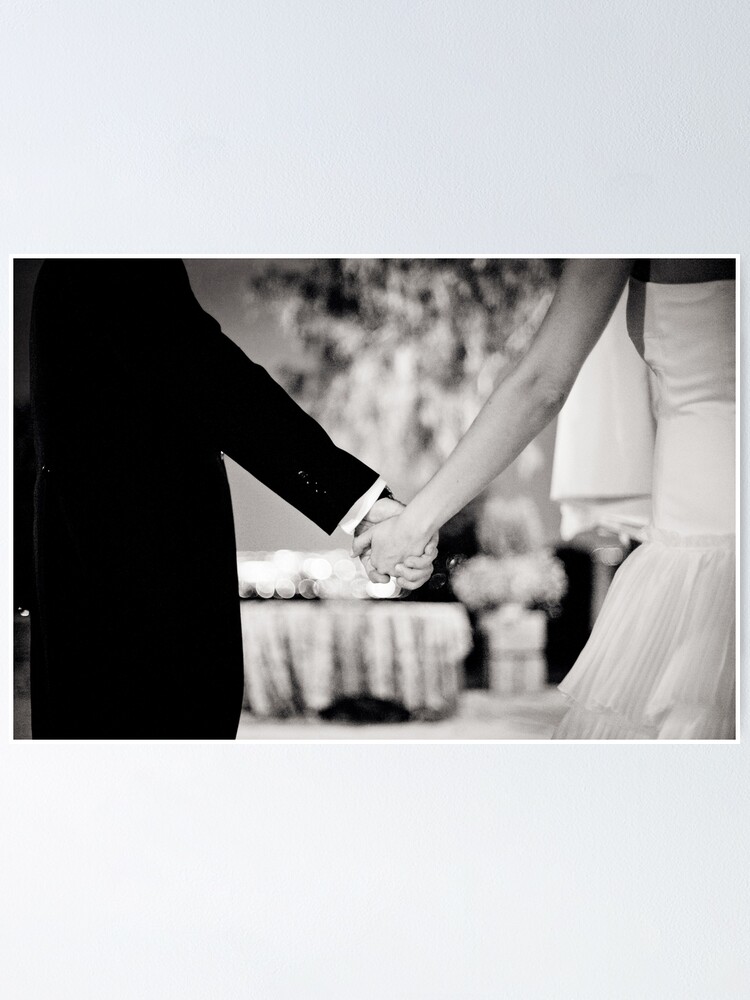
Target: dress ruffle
x,y
660,662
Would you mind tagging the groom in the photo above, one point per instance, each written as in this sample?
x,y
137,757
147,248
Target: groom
x,y
136,395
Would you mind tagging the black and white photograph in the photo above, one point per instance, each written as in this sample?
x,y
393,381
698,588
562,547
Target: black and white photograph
x,y
375,481
408,498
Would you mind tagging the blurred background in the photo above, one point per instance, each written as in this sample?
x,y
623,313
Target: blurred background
x,y
394,357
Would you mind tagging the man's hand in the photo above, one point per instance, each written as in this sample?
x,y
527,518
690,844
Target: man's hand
x,y
390,546
380,511
418,569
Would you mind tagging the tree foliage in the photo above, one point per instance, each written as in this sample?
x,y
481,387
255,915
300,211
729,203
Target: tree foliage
x,y
396,356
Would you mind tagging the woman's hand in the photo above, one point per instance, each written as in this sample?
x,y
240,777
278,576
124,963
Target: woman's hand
x,y
399,548
415,571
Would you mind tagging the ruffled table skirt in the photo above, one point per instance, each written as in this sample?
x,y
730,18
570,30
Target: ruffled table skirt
x,y
303,657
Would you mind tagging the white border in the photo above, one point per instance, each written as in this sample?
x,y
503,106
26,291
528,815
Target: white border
x,y
406,256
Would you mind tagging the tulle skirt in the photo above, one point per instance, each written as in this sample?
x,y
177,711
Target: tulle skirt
x,y
660,662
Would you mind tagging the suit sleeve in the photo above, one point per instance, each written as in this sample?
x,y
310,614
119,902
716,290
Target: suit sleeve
x,y
233,404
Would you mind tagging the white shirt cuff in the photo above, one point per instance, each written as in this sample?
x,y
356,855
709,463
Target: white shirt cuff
x,y
361,508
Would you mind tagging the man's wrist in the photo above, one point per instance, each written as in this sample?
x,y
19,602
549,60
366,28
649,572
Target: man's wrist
x,y
361,508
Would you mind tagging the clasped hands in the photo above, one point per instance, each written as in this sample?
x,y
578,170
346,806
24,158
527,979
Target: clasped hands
x,y
389,545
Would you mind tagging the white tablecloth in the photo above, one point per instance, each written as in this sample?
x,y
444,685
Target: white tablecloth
x,y
303,656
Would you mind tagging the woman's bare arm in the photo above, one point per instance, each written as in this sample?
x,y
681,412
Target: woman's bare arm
x,y
524,402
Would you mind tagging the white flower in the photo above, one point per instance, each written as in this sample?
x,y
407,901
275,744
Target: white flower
x,y
531,579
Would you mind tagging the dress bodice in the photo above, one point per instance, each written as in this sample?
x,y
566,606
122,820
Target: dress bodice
x,y
686,335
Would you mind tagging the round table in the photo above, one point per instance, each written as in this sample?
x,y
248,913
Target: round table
x,y
304,656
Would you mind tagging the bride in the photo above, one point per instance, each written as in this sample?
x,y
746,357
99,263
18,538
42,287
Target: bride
x,y
660,662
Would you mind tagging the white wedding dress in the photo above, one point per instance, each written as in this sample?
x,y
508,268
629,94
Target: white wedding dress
x,y
660,662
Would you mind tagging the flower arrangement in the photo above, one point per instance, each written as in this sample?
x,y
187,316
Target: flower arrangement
x,y
531,580
513,568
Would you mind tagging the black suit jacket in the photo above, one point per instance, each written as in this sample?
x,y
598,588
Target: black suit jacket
x,y
136,393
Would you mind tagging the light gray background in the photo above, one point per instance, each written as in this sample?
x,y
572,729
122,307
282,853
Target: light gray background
x,y
340,872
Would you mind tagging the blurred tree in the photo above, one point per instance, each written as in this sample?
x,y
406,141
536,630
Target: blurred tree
x,y
398,355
